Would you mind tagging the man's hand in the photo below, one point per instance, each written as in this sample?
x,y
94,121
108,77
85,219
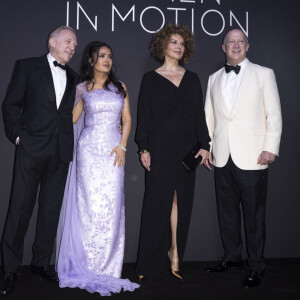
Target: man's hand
x,y
145,160
266,158
206,158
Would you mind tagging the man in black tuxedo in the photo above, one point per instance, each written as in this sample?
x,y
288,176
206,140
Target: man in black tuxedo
x,y
37,114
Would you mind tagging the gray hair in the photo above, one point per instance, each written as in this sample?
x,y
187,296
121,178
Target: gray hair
x,y
56,32
225,36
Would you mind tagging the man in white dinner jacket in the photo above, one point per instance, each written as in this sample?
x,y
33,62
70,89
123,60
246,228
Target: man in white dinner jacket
x,y
243,116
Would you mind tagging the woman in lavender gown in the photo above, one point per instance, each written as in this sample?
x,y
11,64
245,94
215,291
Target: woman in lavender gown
x,y
91,234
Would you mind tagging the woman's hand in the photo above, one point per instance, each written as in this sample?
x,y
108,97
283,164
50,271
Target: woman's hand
x,y
206,158
145,160
120,156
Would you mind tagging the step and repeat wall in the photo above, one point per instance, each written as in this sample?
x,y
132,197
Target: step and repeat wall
x,y
127,26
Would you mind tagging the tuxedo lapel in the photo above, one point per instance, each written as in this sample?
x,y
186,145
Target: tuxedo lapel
x,y
46,75
242,92
69,86
220,81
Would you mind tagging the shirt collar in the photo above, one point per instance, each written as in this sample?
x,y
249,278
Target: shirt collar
x,y
243,63
51,59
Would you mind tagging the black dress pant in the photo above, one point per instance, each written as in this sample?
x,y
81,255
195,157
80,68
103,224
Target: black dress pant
x,y
49,173
249,188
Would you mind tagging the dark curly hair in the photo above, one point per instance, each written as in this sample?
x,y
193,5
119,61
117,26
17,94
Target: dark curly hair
x,y
161,39
89,59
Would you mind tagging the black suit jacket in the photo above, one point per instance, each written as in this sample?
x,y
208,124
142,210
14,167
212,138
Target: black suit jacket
x,y
30,112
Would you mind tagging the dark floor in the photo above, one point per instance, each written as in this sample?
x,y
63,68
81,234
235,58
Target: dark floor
x,y
281,281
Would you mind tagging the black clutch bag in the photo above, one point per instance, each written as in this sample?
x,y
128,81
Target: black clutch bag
x,y
189,162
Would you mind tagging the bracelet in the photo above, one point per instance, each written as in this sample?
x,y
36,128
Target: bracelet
x,y
143,151
122,147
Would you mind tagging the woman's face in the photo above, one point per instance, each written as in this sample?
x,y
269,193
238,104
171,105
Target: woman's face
x,y
104,62
175,47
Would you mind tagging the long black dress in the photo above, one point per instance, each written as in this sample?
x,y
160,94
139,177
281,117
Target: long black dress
x,y
171,120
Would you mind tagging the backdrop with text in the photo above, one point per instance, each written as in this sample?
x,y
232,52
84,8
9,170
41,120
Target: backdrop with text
x,y
127,26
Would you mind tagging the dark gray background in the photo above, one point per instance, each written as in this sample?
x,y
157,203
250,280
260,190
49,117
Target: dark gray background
x,y
274,42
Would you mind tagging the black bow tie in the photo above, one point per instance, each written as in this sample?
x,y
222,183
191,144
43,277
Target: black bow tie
x,y
56,64
229,68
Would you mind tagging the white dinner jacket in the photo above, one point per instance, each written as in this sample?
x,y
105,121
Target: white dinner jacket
x,y
254,124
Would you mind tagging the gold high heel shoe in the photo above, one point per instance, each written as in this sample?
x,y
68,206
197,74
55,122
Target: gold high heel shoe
x,y
140,278
176,274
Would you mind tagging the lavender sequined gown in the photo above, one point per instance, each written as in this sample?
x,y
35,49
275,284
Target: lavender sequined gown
x,y
91,231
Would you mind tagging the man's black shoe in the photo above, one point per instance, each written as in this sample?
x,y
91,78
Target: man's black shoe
x,y
47,272
224,265
253,279
7,283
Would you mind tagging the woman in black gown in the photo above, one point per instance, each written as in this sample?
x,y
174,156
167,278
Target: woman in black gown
x,y
171,121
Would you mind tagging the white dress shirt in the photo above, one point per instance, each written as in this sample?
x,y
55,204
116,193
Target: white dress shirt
x,y
232,84
59,79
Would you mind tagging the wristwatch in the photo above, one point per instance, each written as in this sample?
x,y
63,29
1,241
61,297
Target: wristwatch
x,y
143,151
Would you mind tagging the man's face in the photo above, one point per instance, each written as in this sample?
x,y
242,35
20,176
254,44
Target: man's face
x,y
235,47
63,46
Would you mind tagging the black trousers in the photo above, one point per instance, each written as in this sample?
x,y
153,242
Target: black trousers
x,y
49,173
249,188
